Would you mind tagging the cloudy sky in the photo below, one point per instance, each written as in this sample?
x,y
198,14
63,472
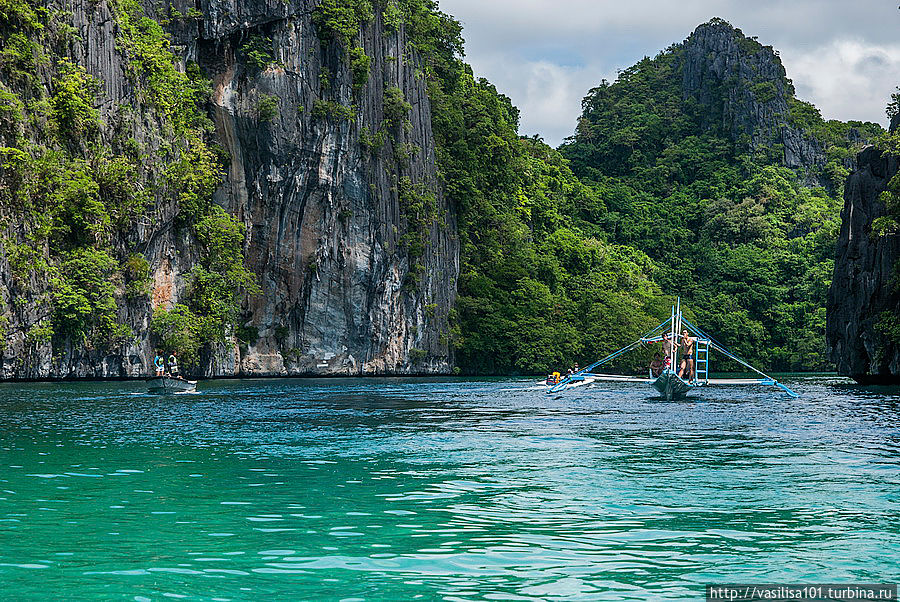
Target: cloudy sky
x,y
843,56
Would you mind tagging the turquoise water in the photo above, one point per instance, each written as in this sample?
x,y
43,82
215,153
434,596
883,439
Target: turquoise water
x,y
388,489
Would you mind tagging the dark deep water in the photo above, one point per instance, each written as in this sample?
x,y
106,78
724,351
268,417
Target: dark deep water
x,y
387,489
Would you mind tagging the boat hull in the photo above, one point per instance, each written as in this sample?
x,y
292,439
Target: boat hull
x,y
670,386
167,384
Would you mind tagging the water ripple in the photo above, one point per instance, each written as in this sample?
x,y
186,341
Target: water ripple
x,y
454,489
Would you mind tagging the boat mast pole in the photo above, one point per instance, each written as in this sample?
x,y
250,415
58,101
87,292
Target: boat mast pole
x,y
678,329
672,338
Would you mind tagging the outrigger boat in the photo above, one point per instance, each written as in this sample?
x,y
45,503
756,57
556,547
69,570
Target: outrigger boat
x,y
667,383
170,384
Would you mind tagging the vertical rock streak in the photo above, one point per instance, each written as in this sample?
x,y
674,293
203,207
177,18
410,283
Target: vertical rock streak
x,y
322,210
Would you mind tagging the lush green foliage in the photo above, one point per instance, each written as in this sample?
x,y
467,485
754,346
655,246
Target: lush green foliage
x,y
888,322
837,138
558,266
73,102
84,302
537,290
68,193
221,274
890,223
341,21
746,243
191,177
359,67
178,329
257,52
267,107
77,198
213,302
137,276
328,109
395,106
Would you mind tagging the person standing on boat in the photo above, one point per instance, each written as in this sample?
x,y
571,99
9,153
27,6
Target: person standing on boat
x,y
687,360
173,365
160,363
669,347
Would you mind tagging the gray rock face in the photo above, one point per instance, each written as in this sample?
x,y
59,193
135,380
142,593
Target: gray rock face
x,y
864,283
718,62
322,210
324,216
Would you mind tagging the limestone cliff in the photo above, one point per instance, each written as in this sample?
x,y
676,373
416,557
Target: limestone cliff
x,y
741,87
323,210
325,182
864,286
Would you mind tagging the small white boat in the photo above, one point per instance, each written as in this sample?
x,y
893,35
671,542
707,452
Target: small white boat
x,y
170,384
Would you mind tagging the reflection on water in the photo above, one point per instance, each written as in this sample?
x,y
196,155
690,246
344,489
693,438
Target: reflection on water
x,y
455,489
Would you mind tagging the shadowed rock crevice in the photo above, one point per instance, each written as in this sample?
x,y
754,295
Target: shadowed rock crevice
x,y
865,280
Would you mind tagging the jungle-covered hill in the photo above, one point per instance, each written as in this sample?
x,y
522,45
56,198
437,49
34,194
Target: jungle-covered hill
x,y
696,173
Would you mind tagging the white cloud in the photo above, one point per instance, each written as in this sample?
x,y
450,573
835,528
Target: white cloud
x,y
551,98
546,54
547,94
846,79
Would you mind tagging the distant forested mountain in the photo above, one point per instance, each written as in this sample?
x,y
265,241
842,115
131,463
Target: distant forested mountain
x,y
707,162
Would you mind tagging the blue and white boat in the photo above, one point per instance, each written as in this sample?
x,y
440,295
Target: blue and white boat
x,y
667,382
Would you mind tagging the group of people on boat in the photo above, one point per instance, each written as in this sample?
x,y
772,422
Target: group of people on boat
x,y
686,369
688,345
166,366
556,377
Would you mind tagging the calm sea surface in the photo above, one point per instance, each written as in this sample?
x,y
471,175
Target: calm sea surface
x,y
390,489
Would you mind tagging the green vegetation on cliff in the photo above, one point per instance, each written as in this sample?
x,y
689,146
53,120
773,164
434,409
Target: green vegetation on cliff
x,y
746,242
890,143
888,321
75,183
539,286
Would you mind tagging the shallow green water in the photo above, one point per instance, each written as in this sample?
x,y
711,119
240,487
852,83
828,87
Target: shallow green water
x,y
459,490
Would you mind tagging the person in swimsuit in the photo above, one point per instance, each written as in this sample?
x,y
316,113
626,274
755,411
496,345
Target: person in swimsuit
x,y
687,360
669,346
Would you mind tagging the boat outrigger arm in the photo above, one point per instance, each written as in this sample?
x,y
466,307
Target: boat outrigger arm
x,y
667,382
